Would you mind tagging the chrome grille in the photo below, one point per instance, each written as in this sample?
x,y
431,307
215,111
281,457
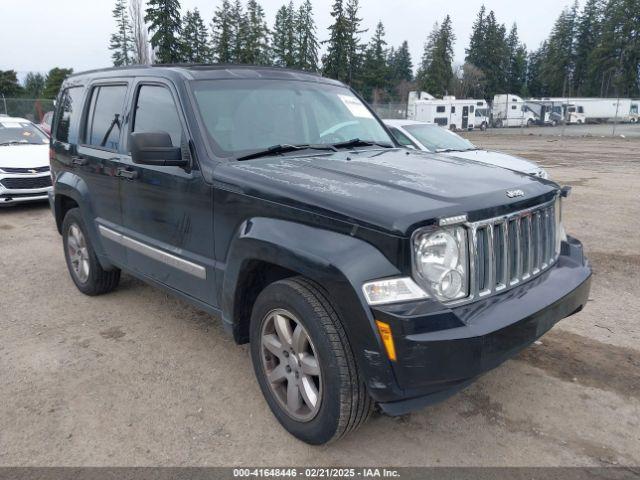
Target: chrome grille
x,y
507,250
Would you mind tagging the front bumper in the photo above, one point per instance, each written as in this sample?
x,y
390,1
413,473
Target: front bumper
x,y
442,350
19,188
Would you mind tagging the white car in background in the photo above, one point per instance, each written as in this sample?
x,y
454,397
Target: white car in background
x,y
430,137
24,162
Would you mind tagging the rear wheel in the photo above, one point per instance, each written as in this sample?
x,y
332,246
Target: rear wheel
x,y
84,267
304,363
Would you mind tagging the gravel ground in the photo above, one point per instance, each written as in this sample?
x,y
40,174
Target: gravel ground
x,y
626,130
137,377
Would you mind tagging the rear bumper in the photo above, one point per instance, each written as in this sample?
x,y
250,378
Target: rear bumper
x,y
441,351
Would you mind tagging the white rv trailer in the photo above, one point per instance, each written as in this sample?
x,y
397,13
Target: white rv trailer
x,y
448,111
508,110
595,110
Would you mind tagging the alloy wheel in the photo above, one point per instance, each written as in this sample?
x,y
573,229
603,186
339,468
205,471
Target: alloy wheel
x,y
78,253
291,365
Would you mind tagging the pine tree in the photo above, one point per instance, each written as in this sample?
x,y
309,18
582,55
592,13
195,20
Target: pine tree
x,y
195,39
255,47
374,76
536,85
306,42
34,85
517,73
284,37
557,68
336,60
435,73
222,33
615,63
239,30
163,17
122,41
54,80
400,64
355,50
9,85
475,52
587,36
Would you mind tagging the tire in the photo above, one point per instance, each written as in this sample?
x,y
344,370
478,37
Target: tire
x,y
84,267
343,403
452,127
483,126
499,123
529,123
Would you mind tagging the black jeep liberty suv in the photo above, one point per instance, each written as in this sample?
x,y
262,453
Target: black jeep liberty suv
x,y
361,273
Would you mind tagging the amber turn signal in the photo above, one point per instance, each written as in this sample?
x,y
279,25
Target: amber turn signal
x,y
387,339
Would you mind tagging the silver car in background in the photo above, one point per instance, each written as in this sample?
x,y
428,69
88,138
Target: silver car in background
x,y
430,137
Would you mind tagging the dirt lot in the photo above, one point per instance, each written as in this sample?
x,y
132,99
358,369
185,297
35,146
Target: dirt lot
x,y
139,378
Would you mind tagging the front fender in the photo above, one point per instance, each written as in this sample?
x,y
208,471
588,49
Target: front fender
x,y
339,263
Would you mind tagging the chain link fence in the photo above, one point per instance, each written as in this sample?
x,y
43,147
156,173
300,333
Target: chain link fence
x,y
32,109
390,110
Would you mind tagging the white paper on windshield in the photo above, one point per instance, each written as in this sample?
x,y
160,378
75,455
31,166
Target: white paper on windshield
x,y
355,106
10,125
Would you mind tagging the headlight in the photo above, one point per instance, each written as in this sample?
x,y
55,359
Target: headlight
x,y
440,262
392,290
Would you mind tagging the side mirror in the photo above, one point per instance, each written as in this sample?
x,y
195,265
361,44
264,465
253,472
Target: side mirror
x,y
155,148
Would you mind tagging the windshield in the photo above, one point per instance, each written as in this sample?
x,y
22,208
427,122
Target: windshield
x,y
243,116
21,133
436,138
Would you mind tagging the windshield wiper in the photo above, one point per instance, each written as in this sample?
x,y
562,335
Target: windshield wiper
x,y
356,142
447,150
279,149
19,142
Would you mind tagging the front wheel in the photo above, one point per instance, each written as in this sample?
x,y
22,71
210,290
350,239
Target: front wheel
x,y
304,363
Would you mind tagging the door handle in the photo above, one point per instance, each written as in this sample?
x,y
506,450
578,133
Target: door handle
x,y
78,160
125,173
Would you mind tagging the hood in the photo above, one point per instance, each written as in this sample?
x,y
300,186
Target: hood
x,y
24,156
498,159
391,189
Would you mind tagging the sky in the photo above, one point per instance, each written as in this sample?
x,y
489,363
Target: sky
x,y
36,35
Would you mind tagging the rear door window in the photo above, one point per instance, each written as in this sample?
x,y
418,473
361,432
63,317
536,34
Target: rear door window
x,y
104,122
156,112
69,111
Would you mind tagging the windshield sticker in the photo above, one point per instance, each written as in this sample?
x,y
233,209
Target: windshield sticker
x,y
355,106
10,125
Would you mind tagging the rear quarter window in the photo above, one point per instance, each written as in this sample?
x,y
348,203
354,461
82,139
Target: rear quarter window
x,y
67,115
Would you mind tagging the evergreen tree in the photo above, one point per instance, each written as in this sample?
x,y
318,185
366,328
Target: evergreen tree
x,y
256,43
222,33
284,36
517,73
9,85
557,68
400,64
435,73
375,71
536,85
587,36
34,85
336,60
355,50
615,63
489,52
54,80
163,17
239,31
195,39
121,43
475,52
306,42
